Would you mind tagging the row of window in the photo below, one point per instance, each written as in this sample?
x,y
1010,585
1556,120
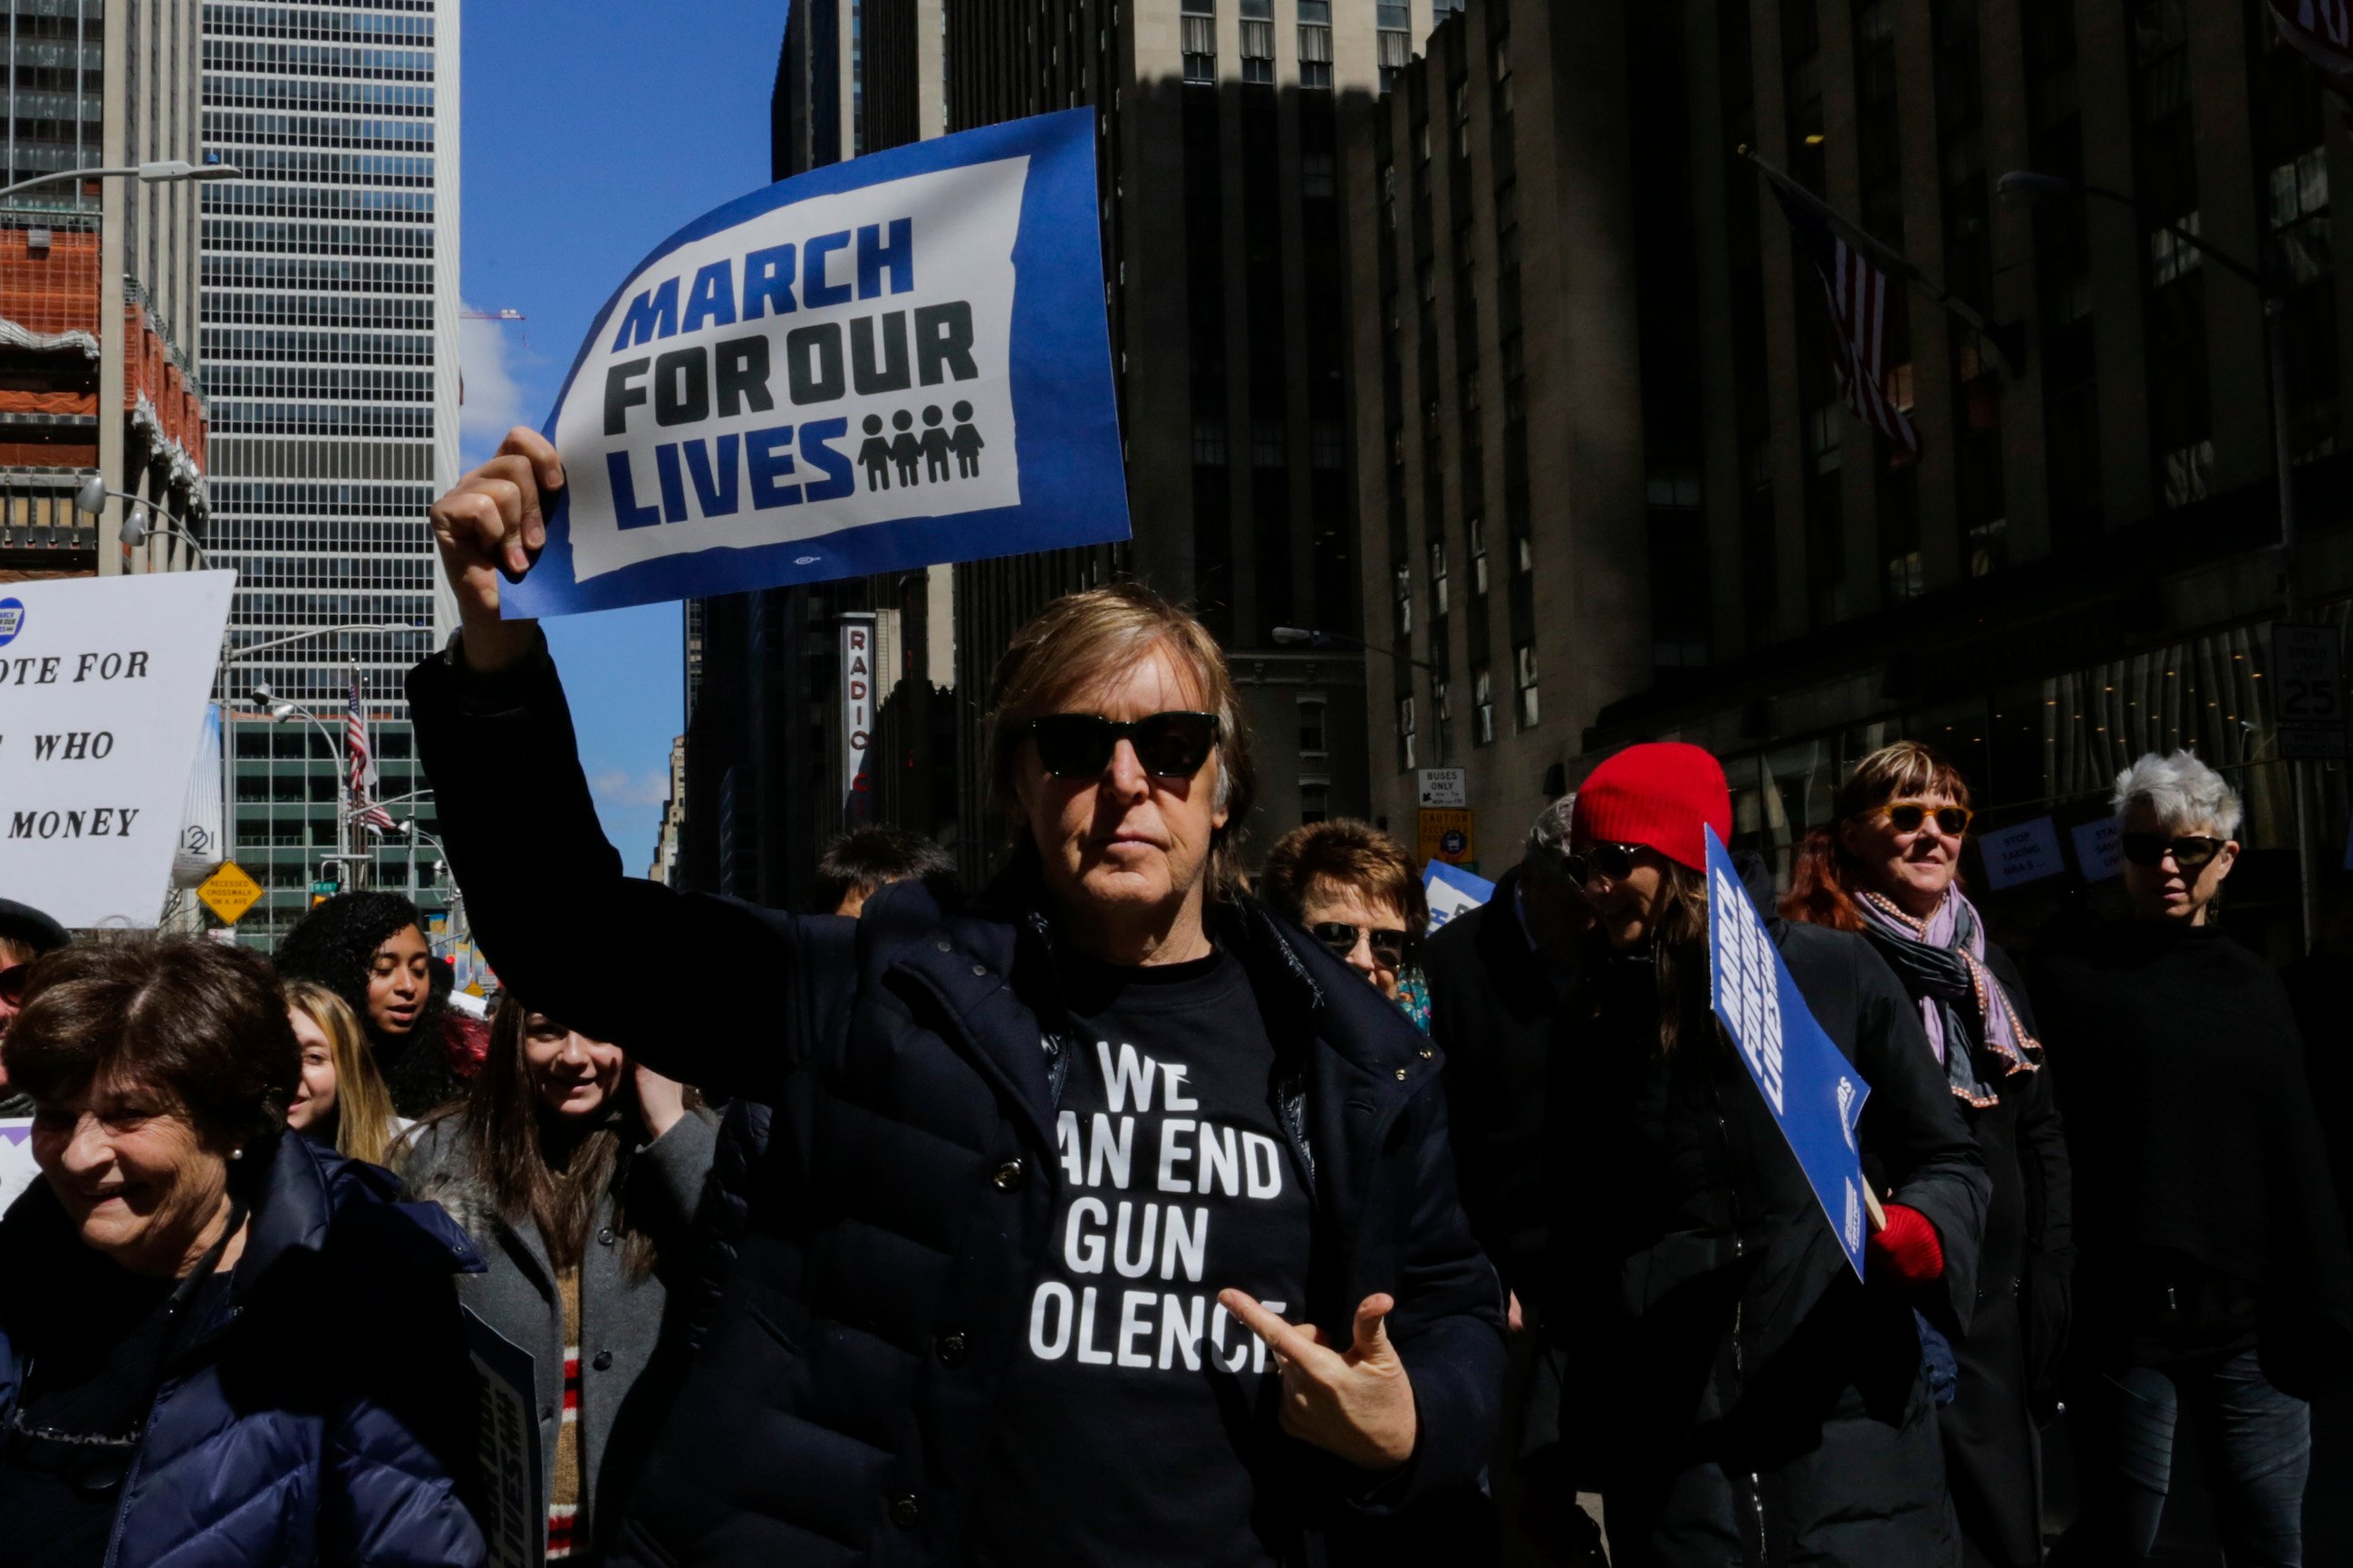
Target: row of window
x,y
233,306
309,274
226,130
318,22
231,417
316,167
320,458
271,200
231,381
318,59
262,346
226,92
1411,753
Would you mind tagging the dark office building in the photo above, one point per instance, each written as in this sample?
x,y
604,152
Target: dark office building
x,y
2079,564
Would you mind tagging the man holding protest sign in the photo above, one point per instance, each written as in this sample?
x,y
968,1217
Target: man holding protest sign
x,y
1107,1218
1741,1394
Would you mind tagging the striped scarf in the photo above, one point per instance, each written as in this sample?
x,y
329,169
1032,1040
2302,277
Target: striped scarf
x,y
1941,960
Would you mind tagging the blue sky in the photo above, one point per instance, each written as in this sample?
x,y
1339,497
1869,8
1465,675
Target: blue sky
x,y
591,129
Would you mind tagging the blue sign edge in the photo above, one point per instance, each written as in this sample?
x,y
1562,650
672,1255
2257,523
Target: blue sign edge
x,y
1061,147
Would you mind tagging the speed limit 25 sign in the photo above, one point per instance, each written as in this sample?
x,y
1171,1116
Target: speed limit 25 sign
x,y
2309,694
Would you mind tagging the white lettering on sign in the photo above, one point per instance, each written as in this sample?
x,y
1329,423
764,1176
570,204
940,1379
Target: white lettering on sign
x,y
858,681
1751,986
837,362
2024,852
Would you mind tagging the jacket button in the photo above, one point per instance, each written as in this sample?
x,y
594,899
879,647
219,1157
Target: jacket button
x,y
904,1514
1427,1053
1009,1175
1400,1074
605,1237
980,969
944,946
604,1361
951,1350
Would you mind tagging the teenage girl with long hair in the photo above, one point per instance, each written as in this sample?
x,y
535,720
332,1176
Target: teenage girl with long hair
x,y
576,1173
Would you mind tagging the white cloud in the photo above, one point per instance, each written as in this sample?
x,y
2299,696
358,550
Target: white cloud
x,y
494,397
619,786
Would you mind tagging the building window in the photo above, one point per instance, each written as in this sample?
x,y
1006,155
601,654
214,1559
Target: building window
x,y
1445,717
1200,41
1524,661
1311,727
1440,601
1208,443
1315,43
1314,801
1482,706
1405,734
1462,98
1266,444
1478,527
1404,584
1327,449
1258,41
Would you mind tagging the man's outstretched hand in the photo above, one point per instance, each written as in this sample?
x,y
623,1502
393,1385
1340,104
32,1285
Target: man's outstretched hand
x,y
1358,1404
489,524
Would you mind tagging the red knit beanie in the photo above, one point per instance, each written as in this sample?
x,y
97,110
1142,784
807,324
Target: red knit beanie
x,y
1660,795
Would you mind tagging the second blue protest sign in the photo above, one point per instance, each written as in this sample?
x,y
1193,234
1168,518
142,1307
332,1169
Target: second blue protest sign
x,y
1814,1093
885,363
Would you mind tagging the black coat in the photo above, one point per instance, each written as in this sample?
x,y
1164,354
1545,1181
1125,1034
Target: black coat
x,y
1743,1397
1493,1010
843,1395
2008,1359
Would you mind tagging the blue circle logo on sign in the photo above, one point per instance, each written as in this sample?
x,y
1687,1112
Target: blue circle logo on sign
x,y
12,620
1453,842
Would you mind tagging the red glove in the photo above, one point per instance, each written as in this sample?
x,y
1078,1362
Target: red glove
x,y
1906,1251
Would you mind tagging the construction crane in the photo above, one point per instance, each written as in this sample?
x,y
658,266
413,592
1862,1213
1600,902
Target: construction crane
x,y
491,315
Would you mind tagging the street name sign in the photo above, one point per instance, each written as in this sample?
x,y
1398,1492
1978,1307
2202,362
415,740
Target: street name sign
x,y
2308,690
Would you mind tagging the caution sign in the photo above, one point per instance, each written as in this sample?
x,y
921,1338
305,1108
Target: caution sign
x,y
228,892
1446,835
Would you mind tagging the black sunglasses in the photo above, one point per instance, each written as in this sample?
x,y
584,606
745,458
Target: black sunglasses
x,y
1909,815
1612,860
1388,946
1170,745
2151,849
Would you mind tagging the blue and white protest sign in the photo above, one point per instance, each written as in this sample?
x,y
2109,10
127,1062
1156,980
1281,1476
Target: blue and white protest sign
x,y
1814,1092
884,364
1453,891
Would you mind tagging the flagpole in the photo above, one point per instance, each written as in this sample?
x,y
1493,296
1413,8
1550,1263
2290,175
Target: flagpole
x,y
2009,342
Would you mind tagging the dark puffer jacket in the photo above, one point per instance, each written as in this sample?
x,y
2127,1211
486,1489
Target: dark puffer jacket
x,y
323,1414
844,1393
1742,1398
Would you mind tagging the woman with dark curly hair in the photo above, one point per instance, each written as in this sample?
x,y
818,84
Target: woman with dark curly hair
x,y
369,949
217,1343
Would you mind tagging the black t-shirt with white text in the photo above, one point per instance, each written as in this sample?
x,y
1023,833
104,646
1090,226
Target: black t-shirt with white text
x,y
1136,1423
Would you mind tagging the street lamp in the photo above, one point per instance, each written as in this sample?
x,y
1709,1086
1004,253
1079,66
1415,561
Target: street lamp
x,y
150,173
1304,636
92,498
247,652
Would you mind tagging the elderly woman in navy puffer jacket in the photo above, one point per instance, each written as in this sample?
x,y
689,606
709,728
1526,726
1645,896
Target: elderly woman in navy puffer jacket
x,y
217,1345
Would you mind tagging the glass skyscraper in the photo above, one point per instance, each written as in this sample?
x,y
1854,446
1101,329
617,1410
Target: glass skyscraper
x,y
330,306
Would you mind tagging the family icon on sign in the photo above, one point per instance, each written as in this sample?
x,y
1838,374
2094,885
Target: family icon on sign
x,y
931,450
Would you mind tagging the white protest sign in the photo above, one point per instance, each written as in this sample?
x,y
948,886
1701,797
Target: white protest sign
x,y
2024,852
2099,848
104,688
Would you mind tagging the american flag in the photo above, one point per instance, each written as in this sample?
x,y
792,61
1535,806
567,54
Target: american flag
x,y
2322,32
1858,300
364,811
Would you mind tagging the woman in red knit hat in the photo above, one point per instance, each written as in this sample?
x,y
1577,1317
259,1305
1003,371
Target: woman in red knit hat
x,y
1738,1395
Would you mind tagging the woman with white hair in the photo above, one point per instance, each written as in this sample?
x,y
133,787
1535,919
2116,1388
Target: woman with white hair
x,y
2213,1272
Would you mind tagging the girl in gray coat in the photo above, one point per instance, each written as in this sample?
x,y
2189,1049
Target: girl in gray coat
x,y
576,1173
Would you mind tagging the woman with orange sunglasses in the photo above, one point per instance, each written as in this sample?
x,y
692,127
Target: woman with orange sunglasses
x,y
1889,869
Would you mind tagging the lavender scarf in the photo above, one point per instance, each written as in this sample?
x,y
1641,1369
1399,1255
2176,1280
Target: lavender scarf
x,y
1941,959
